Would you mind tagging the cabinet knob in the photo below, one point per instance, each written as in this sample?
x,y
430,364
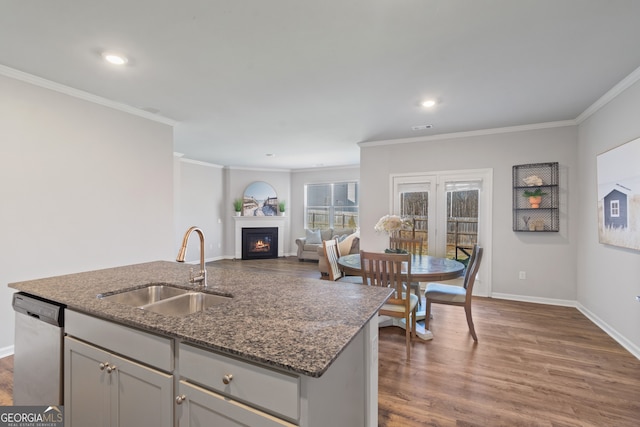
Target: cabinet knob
x,y
181,398
227,378
103,365
110,369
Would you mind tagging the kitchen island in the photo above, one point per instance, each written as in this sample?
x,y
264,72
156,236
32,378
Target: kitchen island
x,y
315,334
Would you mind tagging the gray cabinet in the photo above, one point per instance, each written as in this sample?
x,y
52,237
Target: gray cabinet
x,y
102,389
122,377
104,383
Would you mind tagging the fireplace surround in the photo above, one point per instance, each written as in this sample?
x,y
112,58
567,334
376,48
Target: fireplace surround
x,y
255,222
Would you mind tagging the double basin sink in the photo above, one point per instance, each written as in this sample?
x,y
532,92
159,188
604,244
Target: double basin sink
x,y
166,300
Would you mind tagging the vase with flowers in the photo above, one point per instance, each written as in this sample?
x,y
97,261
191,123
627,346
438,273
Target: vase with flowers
x,y
392,225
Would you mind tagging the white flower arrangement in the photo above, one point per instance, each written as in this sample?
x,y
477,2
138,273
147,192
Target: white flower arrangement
x,y
392,223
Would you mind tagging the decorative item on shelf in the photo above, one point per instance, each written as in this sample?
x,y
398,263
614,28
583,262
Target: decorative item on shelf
x,y
281,207
237,206
536,225
533,180
535,197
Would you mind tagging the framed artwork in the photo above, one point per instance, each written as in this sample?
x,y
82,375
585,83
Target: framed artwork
x,y
619,196
260,199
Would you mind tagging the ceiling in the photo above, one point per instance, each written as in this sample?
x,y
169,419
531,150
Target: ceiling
x,y
307,80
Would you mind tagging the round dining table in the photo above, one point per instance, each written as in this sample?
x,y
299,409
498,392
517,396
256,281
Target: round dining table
x,y
424,268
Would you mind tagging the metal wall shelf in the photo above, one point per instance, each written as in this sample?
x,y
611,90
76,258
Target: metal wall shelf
x,y
546,217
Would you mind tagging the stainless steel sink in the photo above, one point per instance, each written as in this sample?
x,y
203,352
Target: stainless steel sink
x,y
189,303
144,296
167,300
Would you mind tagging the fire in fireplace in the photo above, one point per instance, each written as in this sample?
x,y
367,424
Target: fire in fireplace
x,y
259,243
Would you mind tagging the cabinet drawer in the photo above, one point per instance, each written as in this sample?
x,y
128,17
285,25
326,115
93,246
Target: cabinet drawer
x,y
271,391
203,407
151,349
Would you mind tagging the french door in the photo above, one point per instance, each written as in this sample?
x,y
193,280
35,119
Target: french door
x,y
451,211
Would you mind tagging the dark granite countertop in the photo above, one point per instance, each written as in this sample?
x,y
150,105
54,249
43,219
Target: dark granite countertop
x,y
296,324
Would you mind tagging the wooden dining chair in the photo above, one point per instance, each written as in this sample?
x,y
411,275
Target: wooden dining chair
x,y
440,293
331,254
392,270
412,246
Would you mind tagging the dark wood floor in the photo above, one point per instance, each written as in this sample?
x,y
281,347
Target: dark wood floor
x,y
534,365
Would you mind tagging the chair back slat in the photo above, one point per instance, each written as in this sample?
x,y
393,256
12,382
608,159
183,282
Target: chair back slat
x,y
472,269
413,246
387,270
331,253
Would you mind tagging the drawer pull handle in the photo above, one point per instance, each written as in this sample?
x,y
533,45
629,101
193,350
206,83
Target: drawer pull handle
x,y
110,369
103,365
181,398
227,378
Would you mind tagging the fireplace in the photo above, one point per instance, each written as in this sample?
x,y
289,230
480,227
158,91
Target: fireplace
x,y
259,242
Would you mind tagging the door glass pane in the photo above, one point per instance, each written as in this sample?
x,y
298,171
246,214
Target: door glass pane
x,y
415,205
462,223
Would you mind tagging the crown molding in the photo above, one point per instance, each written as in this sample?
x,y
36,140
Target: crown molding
x,y
467,134
80,94
200,163
326,168
623,85
243,168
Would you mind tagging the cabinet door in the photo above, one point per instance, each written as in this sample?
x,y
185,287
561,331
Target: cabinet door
x,y
140,396
86,385
202,407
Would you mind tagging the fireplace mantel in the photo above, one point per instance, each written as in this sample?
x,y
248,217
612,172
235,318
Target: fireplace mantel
x,y
258,221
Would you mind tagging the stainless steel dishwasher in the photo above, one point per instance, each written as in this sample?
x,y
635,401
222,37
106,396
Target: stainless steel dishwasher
x,y
38,359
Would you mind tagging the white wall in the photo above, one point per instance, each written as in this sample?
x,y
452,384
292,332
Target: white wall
x,y
199,202
548,258
82,187
608,277
236,181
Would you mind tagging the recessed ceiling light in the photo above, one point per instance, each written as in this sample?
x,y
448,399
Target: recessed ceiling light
x,y
270,155
115,58
429,103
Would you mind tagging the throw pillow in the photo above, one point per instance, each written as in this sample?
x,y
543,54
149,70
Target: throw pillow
x,y
313,237
341,238
344,247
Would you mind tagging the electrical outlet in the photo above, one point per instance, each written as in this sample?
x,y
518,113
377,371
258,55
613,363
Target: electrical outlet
x,y
522,275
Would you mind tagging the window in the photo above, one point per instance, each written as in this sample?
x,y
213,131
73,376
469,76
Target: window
x,y
332,205
615,208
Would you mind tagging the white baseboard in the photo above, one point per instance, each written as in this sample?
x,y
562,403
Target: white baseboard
x,y
536,300
620,339
632,348
7,351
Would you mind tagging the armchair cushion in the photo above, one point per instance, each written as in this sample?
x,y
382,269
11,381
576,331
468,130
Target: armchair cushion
x,y
313,237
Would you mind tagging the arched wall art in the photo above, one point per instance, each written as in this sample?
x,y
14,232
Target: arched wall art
x,y
260,199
